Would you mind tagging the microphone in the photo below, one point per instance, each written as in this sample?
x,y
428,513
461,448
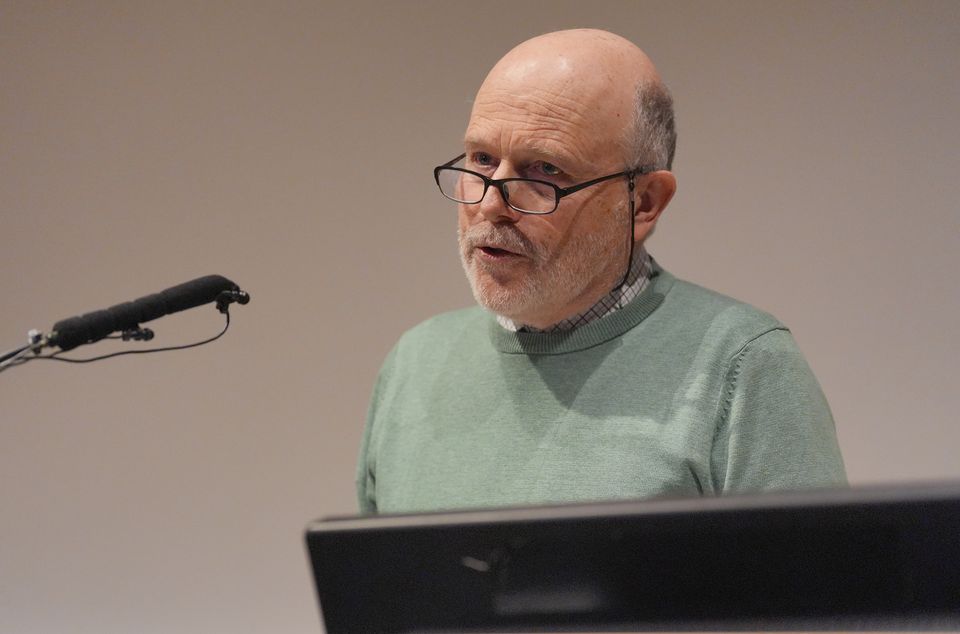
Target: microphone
x,y
94,326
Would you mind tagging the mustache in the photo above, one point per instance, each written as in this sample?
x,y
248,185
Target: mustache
x,y
506,237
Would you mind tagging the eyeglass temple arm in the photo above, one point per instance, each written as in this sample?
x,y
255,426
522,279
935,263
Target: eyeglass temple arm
x,y
453,160
646,169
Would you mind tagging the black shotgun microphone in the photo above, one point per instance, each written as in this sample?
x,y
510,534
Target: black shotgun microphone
x,y
67,334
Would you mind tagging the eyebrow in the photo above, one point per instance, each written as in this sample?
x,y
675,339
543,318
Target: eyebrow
x,y
535,148
550,153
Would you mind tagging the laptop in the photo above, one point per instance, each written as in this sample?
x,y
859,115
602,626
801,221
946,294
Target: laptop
x,y
877,558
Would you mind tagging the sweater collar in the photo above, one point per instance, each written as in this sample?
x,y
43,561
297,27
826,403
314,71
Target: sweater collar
x,y
593,334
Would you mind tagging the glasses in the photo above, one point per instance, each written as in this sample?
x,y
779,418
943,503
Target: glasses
x,y
526,195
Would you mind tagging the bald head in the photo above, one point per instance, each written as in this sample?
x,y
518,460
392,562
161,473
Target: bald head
x,y
599,57
560,124
595,79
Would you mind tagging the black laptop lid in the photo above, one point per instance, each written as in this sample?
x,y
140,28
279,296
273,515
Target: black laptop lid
x,y
854,559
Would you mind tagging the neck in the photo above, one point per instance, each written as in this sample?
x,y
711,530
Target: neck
x,y
591,306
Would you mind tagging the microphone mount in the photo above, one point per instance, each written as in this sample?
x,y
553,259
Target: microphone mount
x,y
225,298
137,334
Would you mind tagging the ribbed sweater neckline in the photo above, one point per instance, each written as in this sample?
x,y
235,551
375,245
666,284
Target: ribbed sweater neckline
x,y
589,335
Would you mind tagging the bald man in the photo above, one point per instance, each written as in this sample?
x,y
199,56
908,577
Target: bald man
x,y
588,372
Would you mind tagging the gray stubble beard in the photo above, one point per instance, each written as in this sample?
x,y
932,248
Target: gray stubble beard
x,y
570,274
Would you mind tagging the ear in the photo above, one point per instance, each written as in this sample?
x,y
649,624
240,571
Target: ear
x,y
652,195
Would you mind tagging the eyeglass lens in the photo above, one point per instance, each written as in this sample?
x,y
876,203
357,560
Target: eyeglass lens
x,y
523,195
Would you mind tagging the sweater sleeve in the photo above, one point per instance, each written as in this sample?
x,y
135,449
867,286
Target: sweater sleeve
x,y
775,429
366,477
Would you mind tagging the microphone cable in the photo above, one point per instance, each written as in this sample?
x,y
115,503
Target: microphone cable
x,y
56,355
24,356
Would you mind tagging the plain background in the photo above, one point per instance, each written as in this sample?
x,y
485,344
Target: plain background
x,y
289,146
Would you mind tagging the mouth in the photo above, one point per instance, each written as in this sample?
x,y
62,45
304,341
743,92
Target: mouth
x,y
497,253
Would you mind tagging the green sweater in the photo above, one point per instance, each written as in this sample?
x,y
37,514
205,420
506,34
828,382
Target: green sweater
x,y
682,392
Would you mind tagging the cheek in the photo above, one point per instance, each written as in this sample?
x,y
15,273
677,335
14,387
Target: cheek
x,y
567,225
464,217
547,232
600,212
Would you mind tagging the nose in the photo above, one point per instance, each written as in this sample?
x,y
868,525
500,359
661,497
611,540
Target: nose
x,y
494,208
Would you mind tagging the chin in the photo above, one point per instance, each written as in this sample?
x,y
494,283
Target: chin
x,y
511,302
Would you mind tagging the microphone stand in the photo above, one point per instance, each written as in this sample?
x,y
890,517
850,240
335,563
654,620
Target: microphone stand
x,y
36,343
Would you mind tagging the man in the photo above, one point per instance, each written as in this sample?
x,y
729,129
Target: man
x,y
593,373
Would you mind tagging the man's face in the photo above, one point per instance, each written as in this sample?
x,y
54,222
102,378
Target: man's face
x,y
541,269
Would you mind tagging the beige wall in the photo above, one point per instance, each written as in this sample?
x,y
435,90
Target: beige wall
x,y
289,146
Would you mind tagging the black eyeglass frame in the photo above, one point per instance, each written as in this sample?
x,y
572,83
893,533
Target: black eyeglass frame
x,y
560,192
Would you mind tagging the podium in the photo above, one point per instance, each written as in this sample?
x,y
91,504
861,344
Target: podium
x,y
883,558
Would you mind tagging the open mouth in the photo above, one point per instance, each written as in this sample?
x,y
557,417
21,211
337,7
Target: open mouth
x,y
494,252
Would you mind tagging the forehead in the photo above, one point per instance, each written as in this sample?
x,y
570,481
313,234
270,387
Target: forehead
x,y
562,119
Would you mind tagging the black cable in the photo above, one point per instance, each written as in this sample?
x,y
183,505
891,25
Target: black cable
x,y
631,186
18,359
55,356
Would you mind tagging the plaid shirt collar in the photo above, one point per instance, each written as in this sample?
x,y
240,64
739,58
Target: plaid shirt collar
x,y
637,279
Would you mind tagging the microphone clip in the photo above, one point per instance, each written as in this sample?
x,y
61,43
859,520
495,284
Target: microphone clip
x,y
137,334
225,298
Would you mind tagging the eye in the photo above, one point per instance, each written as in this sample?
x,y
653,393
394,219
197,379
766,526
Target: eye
x,y
549,169
480,162
548,172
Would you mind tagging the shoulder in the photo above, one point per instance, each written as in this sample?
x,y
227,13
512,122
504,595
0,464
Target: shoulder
x,y
446,325
440,333
717,305
702,307
433,344
702,321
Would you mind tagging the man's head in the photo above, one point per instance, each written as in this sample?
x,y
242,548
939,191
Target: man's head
x,y
564,107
